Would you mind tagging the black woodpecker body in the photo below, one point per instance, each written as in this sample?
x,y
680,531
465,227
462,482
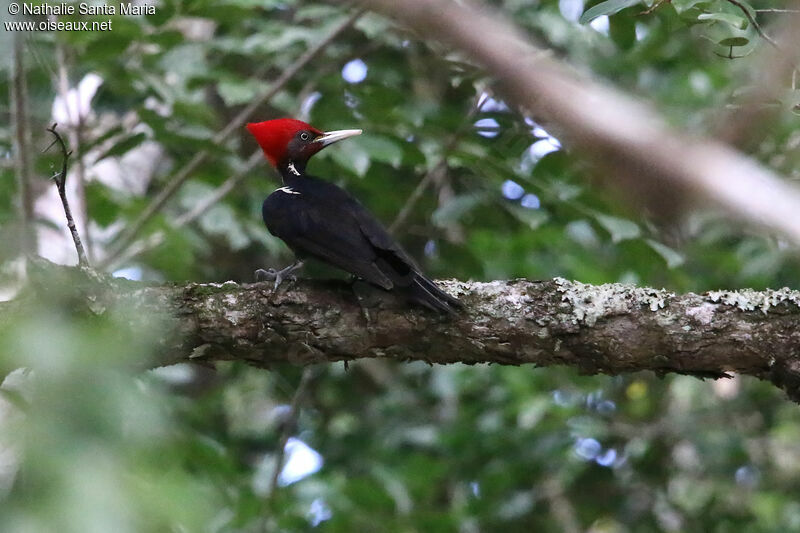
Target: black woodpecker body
x,y
317,219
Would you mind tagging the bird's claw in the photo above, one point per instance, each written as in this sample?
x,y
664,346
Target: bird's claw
x,y
278,276
273,275
266,275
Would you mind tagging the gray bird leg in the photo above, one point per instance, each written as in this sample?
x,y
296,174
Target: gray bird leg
x,y
278,275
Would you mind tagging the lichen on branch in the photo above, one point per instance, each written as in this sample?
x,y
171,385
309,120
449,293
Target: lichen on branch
x,y
609,329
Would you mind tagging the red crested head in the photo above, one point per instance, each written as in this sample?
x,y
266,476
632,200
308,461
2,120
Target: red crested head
x,y
286,140
275,136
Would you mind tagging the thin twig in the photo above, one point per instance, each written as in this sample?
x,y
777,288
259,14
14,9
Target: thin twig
x,y
416,194
132,230
437,169
289,425
655,6
777,10
61,184
75,136
755,23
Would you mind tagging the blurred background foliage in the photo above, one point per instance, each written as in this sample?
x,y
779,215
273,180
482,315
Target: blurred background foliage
x,y
87,444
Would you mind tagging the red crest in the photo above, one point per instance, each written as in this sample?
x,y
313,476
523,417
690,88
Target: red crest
x,y
274,136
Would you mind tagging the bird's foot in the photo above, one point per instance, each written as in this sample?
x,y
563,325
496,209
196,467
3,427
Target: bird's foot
x,y
365,296
278,276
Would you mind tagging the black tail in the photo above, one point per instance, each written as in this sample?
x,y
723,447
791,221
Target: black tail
x,y
425,292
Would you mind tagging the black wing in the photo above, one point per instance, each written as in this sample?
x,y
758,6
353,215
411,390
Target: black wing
x,y
319,219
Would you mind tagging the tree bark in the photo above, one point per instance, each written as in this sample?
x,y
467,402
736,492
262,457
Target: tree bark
x,y
609,329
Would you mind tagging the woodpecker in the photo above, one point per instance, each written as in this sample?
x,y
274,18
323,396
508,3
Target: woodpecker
x,y
319,220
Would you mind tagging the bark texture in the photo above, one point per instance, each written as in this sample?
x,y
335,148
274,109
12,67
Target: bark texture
x,y
607,329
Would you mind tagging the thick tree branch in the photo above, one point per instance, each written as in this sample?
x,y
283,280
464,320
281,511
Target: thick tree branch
x,y
607,329
624,136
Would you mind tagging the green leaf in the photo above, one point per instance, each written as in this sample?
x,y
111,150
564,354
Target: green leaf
x,y
531,218
381,148
582,232
734,41
455,209
93,143
685,5
350,156
123,146
100,204
221,220
238,91
622,30
672,257
736,21
289,36
620,228
373,26
609,7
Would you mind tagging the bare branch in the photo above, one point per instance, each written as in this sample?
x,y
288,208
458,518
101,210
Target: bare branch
x,y
132,230
61,184
624,136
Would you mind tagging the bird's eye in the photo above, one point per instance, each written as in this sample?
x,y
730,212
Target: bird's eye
x,y
304,136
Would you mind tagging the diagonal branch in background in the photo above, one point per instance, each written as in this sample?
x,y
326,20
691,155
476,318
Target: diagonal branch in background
x,y
437,170
132,230
610,329
61,183
198,210
622,135
290,425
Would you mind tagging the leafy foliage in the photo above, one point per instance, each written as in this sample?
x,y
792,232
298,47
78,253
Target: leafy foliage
x,y
403,446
